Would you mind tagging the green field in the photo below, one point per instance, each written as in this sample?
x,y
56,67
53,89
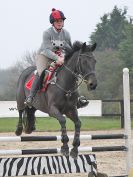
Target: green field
x,y
51,124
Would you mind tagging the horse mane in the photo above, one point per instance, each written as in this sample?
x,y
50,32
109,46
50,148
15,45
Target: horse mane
x,y
76,47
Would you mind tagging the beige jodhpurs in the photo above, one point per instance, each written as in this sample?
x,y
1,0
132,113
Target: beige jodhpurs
x,y
42,63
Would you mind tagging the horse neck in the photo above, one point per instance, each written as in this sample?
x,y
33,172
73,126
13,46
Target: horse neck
x,y
67,77
72,62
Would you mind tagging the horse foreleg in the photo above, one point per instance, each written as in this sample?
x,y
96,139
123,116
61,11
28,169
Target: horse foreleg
x,y
19,125
73,115
54,112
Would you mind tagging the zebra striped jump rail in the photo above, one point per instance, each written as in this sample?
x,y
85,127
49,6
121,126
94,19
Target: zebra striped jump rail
x,y
56,138
25,166
58,150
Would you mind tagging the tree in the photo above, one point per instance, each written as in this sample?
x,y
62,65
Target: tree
x,y
126,48
111,31
101,33
126,53
9,77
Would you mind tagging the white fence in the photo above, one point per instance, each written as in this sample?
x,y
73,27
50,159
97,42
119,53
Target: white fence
x,y
9,109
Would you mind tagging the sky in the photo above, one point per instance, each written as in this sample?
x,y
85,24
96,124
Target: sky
x,y
22,23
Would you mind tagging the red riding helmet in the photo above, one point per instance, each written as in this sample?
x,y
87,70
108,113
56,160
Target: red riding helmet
x,y
55,15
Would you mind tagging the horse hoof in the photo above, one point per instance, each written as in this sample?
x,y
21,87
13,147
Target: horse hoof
x,y
74,153
65,151
19,130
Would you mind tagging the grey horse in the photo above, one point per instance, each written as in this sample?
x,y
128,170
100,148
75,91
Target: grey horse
x,y
60,98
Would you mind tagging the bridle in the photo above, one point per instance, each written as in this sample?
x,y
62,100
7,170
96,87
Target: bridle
x,y
78,74
78,66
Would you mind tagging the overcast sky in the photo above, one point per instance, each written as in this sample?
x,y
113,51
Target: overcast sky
x,y
22,22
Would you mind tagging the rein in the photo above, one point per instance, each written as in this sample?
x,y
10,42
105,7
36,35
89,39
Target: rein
x,y
78,75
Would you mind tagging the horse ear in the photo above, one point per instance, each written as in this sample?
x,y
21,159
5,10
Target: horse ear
x,y
93,47
83,46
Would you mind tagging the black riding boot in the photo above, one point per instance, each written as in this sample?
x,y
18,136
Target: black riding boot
x,y
33,91
82,102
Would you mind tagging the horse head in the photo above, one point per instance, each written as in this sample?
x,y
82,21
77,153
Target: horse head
x,y
86,65
83,61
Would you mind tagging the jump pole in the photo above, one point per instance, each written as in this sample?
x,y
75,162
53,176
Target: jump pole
x,y
127,118
58,138
58,150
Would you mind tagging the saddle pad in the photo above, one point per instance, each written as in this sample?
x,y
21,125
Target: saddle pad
x,y
28,84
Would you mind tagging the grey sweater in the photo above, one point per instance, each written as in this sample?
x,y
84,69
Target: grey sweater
x,y
54,41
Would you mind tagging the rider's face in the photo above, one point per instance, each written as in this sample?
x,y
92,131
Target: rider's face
x,y
58,24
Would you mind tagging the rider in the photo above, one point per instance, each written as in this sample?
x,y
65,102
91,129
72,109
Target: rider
x,y
56,41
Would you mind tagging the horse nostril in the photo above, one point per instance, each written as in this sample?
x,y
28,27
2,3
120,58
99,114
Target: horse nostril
x,y
92,86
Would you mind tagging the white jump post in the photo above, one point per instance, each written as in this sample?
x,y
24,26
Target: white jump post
x,y
127,118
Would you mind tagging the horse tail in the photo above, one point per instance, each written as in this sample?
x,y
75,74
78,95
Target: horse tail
x,y
20,92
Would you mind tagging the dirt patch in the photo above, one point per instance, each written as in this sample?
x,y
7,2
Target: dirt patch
x,y
112,163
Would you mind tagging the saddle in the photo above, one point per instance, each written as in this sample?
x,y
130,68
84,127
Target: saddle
x,y
48,78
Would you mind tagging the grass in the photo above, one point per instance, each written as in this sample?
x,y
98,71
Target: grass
x,y
51,124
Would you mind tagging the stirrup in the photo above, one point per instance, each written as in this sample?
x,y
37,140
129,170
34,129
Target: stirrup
x,y
82,102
